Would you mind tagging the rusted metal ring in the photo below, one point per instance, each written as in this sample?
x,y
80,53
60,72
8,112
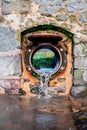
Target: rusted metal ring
x,y
49,46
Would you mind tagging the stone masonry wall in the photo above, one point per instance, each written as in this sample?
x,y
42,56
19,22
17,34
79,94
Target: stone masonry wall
x,y
19,15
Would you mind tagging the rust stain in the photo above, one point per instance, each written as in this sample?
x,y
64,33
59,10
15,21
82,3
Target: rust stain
x,y
66,73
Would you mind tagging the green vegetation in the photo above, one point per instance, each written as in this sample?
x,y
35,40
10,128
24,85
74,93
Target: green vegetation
x,y
76,43
48,27
83,117
2,19
18,35
43,59
78,74
43,54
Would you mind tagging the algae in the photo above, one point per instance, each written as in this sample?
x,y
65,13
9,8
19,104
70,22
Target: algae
x,y
78,74
18,35
48,27
2,19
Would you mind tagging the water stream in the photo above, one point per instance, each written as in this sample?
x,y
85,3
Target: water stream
x,y
44,84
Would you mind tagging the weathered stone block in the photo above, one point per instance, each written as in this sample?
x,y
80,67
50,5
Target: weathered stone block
x,y
50,2
85,76
63,17
80,37
83,16
0,2
70,9
77,89
25,6
10,83
56,90
9,1
75,5
10,86
10,5
10,65
80,62
47,9
78,77
79,81
8,39
80,50
2,19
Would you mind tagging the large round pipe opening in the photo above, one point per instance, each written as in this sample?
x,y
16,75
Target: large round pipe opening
x,y
45,58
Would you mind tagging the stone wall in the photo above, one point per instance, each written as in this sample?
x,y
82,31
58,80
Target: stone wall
x,y
19,15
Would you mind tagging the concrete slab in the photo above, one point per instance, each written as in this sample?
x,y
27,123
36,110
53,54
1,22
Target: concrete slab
x,y
31,113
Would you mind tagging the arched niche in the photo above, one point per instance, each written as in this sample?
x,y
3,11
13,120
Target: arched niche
x,y
51,38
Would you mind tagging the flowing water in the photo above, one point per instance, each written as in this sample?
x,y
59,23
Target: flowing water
x,y
44,84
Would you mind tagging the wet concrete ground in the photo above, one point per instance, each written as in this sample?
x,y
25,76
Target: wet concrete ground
x,y
79,108
31,113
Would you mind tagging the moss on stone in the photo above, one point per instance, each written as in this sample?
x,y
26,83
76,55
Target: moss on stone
x,y
82,117
57,17
78,74
18,35
76,43
29,2
49,27
22,12
2,19
82,94
72,18
48,15
84,50
49,31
